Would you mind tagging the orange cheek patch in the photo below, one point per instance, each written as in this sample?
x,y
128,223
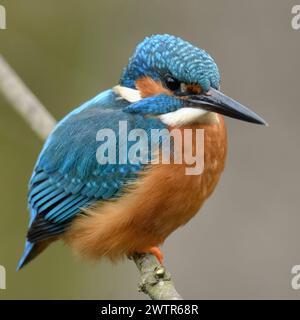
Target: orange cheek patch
x,y
149,87
194,88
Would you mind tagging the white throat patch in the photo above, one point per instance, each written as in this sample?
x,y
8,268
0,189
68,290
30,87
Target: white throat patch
x,y
185,116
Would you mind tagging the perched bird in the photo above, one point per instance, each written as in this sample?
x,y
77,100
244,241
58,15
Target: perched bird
x,y
104,209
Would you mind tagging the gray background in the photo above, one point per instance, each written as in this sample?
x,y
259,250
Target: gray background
x,y
246,239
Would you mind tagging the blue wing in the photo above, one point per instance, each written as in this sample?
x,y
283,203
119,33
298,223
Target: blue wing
x,y
68,177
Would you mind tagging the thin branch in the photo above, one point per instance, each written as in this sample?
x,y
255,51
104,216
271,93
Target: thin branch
x,y
155,280
24,101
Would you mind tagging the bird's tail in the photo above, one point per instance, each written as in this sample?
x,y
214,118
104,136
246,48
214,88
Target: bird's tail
x,y
30,252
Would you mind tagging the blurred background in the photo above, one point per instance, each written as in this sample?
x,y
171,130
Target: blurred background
x,y
246,239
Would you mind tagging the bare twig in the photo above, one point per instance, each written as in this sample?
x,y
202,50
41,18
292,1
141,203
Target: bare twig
x,y
24,101
155,279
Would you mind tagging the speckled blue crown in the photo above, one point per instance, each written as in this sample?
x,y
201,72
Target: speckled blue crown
x,y
161,54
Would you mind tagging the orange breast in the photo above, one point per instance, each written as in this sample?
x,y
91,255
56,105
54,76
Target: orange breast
x,y
163,199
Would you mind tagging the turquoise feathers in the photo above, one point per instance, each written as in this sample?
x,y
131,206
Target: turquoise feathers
x,y
162,54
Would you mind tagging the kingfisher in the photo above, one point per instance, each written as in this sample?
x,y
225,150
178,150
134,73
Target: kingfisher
x,y
112,209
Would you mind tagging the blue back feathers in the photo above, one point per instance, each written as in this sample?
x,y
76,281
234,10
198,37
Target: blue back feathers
x,y
67,175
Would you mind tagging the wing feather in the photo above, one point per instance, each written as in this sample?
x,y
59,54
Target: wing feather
x,y
67,176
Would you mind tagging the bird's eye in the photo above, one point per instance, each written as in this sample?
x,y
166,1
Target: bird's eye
x,y
171,83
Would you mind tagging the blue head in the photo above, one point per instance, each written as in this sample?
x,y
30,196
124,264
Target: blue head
x,y
166,73
163,56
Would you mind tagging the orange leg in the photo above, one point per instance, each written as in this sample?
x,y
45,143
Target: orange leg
x,y
156,252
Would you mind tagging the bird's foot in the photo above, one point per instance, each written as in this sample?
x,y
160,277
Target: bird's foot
x,y
156,252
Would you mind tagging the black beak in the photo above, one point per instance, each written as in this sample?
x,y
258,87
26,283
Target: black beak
x,y
218,102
